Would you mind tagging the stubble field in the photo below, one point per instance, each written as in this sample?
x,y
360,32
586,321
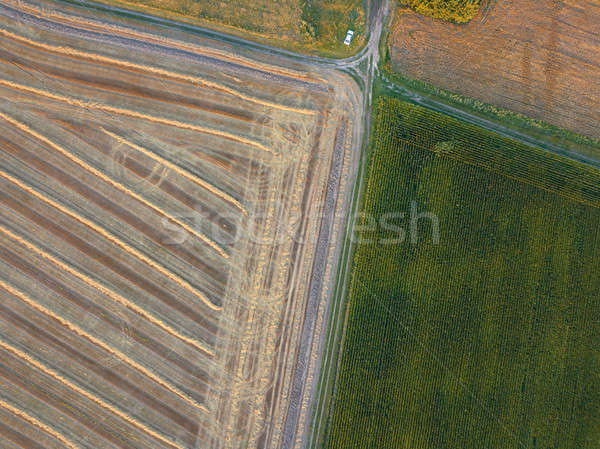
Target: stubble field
x,y
540,59
302,25
160,203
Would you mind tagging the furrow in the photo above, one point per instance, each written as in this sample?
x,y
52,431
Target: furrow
x,y
129,113
80,332
191,79
37,423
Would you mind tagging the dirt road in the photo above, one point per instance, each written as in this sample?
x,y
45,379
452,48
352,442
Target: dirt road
x,y
116,137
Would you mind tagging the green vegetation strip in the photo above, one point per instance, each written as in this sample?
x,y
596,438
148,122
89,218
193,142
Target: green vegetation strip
x,y
585,146
489,338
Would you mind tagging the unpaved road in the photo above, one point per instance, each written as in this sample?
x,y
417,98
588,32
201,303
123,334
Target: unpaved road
x,y
108,131
311,344
352,65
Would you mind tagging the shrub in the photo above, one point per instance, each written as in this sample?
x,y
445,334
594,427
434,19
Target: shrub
x,y
458,11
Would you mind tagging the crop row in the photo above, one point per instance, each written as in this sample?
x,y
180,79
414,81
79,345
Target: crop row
x,y
485,337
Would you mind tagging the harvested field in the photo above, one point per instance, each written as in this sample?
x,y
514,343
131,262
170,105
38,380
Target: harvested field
x,y
303,25
540,59
159,207
474,298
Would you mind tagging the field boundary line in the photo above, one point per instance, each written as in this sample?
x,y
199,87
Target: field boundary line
x,y
107,292
111,238
192,79
113,183
90,396
185,173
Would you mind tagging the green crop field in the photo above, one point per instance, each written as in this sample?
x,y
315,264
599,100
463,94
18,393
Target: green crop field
x,y
489,337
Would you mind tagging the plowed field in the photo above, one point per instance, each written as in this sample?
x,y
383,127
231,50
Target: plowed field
x,y
541,59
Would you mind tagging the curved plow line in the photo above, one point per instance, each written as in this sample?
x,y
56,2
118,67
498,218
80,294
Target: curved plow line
x,y
80,332
112,182
36,423
129,113
113,239
179,170
192,79
112,295
95,399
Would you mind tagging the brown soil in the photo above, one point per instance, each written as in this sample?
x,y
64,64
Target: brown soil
x,y
541,59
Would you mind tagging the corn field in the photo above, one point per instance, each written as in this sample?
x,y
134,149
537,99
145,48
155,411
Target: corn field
x,y
489,338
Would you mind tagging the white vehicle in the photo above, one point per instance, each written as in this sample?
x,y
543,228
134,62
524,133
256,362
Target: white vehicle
x,y
349,37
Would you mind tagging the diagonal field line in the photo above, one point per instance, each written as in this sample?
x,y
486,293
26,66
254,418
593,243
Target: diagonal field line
x,y
173,75
185,173
37,423
111,238
130,113
80,332
92,397
112,182
93,25
105,291
436,359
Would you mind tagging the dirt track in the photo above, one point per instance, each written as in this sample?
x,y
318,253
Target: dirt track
x,y
541,59
160,207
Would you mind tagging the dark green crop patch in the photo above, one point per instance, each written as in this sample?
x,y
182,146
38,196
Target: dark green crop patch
x,y
490,338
